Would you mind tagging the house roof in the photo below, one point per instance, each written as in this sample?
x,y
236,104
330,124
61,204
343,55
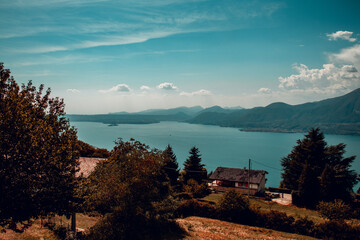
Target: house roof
x,y
238,175
87,166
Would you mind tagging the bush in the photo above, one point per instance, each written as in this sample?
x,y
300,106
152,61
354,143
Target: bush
x,y
303,226
194,207
336,210
233,206
336,230
275,220
195,189
122,224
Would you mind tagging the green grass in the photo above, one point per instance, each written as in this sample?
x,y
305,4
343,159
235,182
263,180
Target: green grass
x,y
290,210
264,205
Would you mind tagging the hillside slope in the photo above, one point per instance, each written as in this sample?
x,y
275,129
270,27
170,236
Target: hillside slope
x,y
205,228
339,115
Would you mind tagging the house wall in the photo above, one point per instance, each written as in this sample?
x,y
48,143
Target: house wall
x,y
262,185
237,189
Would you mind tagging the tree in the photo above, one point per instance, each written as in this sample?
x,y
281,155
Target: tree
x,y
171,166
38,153
308,190
310,150
87,150
133,190
318,171
335,210
193,168
233,205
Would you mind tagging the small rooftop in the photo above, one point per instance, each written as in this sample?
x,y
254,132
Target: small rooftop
x,y
87,166
238,175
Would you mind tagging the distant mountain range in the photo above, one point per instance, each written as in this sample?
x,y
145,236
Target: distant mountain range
x,y
340,115
180,114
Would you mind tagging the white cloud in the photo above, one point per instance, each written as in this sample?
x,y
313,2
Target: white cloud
x,y
349,55
118,88
345,35
167,86
145,88
329,79
264,91
73,90
201,92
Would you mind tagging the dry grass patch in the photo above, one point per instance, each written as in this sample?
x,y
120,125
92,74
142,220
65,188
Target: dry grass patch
x,y
205,228
35,232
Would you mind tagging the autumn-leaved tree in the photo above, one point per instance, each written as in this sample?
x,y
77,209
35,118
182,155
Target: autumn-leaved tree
x,y
133,190
38,153
316,171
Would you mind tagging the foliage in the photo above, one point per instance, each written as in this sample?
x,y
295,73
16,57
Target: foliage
x,y
275,220
38,153
132,189
86,150
336,230
193,207
193,168
336,210
129,225
171,166
318,171
195,189
233,205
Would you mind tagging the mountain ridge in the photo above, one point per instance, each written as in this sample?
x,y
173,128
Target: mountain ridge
x,y
338,115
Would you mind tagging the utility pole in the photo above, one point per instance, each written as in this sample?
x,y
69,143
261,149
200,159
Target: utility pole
x,y
249,179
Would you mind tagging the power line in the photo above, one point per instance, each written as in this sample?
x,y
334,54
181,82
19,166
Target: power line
x,y
260,163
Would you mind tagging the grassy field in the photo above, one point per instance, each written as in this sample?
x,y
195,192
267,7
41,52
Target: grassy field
x,y
198,228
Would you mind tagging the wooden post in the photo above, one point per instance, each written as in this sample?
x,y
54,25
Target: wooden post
x,y
73,222
249,179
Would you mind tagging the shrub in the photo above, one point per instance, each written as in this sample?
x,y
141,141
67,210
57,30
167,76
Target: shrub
x,y
194,207
275,220
122,224
336,230
336,210
233,206
303,226
195,189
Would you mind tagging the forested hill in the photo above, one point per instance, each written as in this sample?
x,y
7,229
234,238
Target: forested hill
x,y
179,114
340,115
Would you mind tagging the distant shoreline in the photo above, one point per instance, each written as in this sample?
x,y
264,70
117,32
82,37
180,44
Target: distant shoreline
x,y
274,130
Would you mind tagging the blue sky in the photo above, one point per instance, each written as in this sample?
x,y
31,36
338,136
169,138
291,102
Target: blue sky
x,y
107,56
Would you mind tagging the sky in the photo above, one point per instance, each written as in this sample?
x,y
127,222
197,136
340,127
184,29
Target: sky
x,y
106,56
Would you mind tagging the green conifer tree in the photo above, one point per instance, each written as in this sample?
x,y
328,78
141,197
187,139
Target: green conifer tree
x,y
171,166
193,168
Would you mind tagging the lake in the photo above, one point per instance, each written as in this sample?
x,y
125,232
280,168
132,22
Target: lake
x,y
226,147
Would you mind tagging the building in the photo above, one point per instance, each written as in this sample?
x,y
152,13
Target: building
x,y
87,166
238,179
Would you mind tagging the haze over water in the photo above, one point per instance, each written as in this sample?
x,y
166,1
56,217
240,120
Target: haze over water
x,y
226,147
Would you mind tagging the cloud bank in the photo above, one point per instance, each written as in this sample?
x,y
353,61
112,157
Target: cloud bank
x,y
329,79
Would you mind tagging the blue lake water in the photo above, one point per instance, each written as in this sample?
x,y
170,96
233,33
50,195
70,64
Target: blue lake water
x,y
226,147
